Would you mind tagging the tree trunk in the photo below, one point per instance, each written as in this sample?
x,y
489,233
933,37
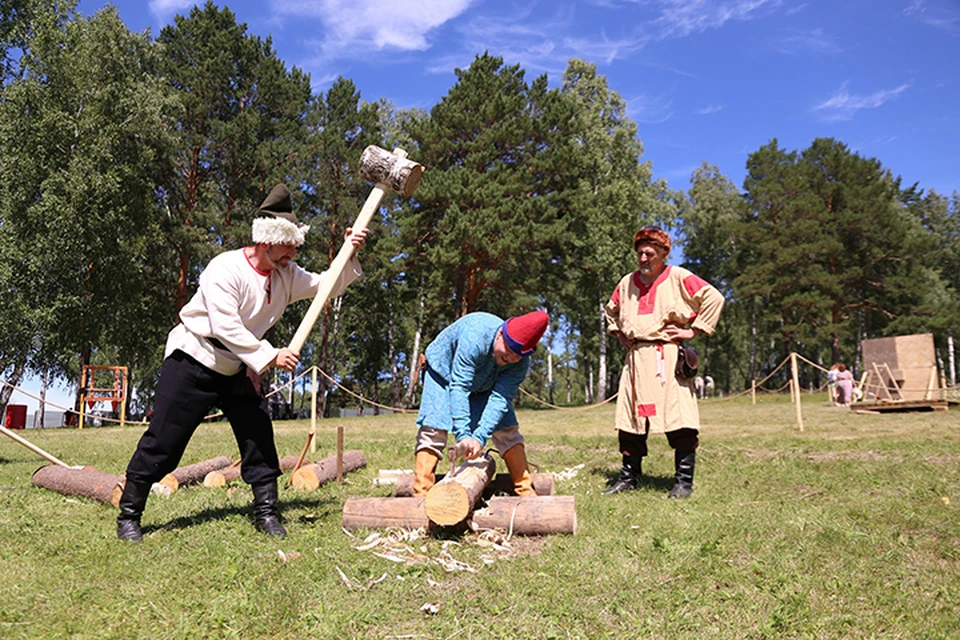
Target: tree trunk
x,y
7,390
532,516
312,476
451,500
602,364
40,416
753,338
951,359
86,482
415,354
223,477
193,473
549,374
384,513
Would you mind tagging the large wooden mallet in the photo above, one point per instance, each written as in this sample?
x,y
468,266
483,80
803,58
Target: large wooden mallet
x,y
389,171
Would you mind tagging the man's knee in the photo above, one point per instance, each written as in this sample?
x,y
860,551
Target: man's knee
x,y
507,438
684,439
431,439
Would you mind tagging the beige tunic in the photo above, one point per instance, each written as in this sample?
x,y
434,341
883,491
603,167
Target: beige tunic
x,y
651,398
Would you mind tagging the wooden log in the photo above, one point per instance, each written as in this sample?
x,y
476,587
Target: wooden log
x,y
310,477
193,473
531,516
384,513
223,477
502,483
451,500
86,482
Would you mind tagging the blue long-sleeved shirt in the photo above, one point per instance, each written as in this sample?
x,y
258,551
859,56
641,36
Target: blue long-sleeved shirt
x,y
463,356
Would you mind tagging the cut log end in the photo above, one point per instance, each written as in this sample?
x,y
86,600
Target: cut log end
x,y
170,481
310,477
305,479
447,503
214,480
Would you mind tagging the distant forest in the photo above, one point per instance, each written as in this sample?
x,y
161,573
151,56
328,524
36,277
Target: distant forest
x,y
127,163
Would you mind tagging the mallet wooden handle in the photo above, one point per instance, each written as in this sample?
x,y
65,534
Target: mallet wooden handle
x,y
37,450
338,265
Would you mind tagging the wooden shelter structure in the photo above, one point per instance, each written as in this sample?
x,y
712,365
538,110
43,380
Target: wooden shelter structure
x,y
901,372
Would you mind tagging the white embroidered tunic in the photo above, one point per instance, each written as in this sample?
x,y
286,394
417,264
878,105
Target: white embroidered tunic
x,y
236,305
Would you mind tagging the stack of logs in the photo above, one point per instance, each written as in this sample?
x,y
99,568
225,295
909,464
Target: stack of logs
x,y
107,488
453,501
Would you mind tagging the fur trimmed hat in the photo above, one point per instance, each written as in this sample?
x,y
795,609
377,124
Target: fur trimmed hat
x,y
652,235
275,222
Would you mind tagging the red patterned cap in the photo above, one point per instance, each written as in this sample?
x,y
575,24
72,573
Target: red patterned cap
x,y
522,333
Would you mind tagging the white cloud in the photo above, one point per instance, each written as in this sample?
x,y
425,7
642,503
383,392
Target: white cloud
x,y
844,105
680,18
939,17
713,108
165,9
360,25
646,109
814,40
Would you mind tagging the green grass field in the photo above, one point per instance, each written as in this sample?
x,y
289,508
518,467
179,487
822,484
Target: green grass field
x,y
849,529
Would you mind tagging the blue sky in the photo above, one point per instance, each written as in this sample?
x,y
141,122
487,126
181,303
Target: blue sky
x,y
705,80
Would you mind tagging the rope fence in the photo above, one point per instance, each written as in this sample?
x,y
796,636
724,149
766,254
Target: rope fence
x,y
945,393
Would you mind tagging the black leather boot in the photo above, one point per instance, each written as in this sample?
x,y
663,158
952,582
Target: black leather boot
x,y
629,477
132,502
266,517
684,462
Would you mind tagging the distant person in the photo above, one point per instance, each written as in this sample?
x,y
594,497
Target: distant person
x,y
215,356
844,386
472,372
832,382
650,312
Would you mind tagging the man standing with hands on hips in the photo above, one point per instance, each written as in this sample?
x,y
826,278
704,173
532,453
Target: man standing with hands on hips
x,y
650,312
215,356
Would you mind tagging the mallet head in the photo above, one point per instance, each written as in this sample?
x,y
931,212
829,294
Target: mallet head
x,y
391,169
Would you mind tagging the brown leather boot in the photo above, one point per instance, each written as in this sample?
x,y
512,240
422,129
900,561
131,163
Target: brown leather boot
x,y
424,468
516,459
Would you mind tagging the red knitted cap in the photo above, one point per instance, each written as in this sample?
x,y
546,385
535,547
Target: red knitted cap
x,y
522,333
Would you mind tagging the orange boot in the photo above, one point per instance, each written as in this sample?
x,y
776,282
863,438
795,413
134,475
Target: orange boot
x,y
424,467
516,459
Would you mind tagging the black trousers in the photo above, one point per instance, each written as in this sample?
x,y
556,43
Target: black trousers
x,y
185,395
635,444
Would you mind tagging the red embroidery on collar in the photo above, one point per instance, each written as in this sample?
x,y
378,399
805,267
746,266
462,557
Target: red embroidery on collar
x,y
247,258
648,294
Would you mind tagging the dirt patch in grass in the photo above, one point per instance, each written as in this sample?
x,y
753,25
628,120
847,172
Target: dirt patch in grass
x,y
761,453
860,456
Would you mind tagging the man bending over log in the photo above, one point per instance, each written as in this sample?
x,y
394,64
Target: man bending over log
x,y
472,372
215,356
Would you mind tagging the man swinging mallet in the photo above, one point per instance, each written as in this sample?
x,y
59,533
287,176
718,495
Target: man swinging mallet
x,y
215,356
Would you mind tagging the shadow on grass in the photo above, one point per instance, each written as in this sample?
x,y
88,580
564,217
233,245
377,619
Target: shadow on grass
x,y
649,482
246,510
